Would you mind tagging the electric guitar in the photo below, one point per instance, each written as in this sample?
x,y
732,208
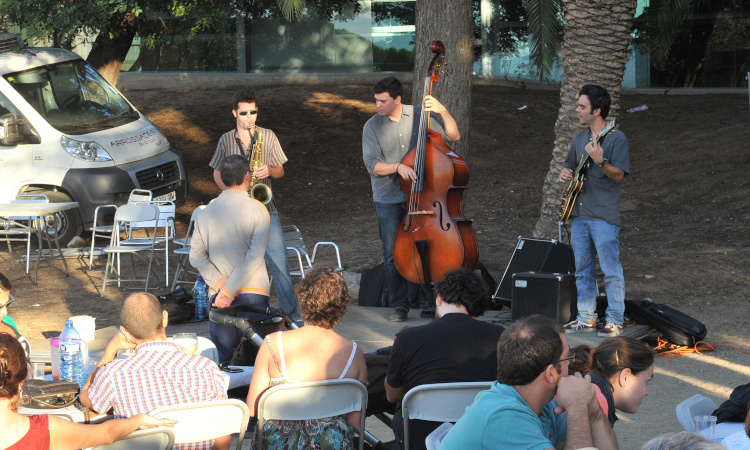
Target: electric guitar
x,y
575,184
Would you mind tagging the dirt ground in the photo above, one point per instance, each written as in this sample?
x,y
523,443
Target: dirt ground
x,y
684,213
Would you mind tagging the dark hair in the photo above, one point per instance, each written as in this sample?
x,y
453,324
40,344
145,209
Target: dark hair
x,y
323,297
141,315
526,348
233,169
4,283
243,96
599,98
390,85
464,287
611,356
13,368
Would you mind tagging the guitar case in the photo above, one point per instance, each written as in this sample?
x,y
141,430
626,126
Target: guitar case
x,y
674,326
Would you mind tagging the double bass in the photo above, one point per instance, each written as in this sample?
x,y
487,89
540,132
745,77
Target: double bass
x,y
434,236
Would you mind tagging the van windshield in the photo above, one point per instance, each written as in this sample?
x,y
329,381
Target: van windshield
x,y
73,97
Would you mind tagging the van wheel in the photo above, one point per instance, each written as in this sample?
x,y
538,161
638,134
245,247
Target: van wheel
x,y
69,222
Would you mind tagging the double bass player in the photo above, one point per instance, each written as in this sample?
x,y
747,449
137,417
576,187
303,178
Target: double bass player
x,y
386,138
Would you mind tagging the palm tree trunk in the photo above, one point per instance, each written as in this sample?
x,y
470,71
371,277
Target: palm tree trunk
x,y
595,50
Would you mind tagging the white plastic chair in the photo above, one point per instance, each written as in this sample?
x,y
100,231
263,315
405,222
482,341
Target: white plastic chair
x,y
105,231
296,249
439,402
695,405
125,215
160,438
203,421
433,440
13,233
183,252
312,400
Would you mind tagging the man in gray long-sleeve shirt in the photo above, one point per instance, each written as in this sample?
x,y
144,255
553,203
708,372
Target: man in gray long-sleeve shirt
x,y
228,248
386,138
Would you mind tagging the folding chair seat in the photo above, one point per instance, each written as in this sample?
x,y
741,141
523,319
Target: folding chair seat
x,y
105,231
10,232
183,252
296,250
125,215
202,421
313,400
439,402
160,438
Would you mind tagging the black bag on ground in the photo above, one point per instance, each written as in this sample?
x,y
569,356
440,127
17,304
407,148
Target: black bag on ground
x,y
179,305
43,394
674,326
372,287
734,409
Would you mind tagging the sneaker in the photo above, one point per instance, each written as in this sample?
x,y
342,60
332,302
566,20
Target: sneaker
x,y
399,315
611,329
578,326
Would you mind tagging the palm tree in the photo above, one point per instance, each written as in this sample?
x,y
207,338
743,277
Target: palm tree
x,y
594,51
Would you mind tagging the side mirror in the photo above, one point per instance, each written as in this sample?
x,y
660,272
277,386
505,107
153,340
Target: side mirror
x,y
14,131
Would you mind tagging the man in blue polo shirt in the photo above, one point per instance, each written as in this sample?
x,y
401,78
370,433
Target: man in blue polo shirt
x,y
534,404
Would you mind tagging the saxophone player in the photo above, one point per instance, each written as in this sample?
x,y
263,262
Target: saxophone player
x,y
240,141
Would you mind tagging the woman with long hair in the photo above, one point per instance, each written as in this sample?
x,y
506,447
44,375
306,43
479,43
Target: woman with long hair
x,y
621,368
42,432
311,353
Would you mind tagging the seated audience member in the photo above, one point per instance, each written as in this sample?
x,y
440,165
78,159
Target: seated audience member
x,y
6,322
684,440
534,404
42,431
157,375
621,368
311,353
454,347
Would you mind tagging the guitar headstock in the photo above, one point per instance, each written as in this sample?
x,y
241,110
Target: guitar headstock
x,y
608,128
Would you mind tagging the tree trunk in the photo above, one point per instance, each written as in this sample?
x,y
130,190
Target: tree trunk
x,y
108,54
449,21
595,50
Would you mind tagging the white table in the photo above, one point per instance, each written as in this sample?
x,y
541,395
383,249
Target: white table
x,y
8,210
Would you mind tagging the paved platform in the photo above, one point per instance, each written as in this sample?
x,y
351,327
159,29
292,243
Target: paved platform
x,y
369,327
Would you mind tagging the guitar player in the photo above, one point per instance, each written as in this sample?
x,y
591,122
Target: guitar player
x,y
595,226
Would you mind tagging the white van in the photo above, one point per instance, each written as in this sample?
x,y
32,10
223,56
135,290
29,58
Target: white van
x,y
67,133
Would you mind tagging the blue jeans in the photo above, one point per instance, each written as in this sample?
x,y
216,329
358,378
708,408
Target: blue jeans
x,y
400,291
592,237
278,267
228,337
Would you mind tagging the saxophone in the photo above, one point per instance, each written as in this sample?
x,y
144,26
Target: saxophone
x,y
258,190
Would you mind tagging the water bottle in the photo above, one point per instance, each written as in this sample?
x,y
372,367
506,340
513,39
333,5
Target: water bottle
x,y
71,355
199,294
638,108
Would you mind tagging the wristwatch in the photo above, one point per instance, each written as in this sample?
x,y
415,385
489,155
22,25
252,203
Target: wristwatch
x,y
603,161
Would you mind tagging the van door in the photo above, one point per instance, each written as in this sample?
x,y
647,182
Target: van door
x,y
16,165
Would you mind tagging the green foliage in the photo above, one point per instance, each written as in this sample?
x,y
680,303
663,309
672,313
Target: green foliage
x,y
545,31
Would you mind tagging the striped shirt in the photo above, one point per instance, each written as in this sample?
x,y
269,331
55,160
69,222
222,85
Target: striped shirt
x,y
271,153
157,375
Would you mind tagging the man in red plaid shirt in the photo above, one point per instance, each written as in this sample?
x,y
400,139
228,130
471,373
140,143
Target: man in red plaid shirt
x,y
157,375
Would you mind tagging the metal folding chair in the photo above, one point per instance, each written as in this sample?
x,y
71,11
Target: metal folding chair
x,y
296,250
183,252
439,402
101,230
124,216
165,221
9,232
203,421
313,400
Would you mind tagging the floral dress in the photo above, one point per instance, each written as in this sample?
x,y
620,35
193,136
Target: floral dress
x,y
325,433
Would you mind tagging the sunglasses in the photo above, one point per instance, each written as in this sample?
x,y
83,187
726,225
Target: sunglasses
x,y
244,113
569,358
9,302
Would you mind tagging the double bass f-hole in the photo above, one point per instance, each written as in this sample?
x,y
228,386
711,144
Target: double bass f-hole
x,y
445,224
